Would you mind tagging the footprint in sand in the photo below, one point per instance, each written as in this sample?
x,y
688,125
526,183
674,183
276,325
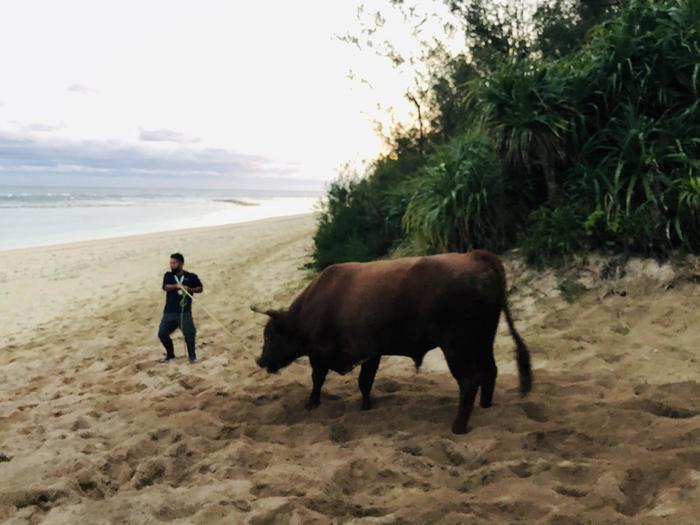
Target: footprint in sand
x,y
149,473
534,411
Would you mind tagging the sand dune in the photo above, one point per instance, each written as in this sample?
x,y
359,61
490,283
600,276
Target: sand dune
x,y
93,430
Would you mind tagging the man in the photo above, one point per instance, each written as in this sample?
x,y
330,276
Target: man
x,y
178,307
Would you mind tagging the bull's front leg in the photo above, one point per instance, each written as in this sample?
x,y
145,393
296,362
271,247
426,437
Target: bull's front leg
x,y
318,376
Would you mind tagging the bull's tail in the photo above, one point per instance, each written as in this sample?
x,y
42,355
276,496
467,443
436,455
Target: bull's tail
x,y
521,352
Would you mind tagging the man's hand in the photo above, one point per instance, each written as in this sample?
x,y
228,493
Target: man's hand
x,y
179,286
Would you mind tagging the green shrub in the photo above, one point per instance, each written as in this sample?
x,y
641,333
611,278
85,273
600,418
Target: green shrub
x,y
596,149
454,200
350,225
553,235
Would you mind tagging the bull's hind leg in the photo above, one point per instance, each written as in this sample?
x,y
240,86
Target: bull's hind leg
x,y
367,373
488,371
465,372
318,376
487,364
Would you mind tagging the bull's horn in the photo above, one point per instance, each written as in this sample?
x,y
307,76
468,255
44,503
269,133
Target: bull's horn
x,y
277,314
257,309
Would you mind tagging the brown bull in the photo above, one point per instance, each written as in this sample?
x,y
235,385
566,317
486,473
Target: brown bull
x,y
356,312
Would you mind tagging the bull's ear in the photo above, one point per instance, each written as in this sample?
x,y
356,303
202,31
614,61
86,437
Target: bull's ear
x,y
275,314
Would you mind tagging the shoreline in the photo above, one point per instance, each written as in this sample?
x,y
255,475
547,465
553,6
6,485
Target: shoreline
x,y
195,229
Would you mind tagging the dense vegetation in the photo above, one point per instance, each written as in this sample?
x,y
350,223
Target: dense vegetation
x,y
580,132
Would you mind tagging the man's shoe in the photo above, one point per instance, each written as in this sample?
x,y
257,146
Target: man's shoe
x,y
193,360
166,358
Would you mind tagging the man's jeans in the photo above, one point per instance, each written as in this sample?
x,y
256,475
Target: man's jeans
x,y
169,323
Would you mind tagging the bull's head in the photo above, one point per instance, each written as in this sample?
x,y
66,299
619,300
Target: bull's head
x,y
283,343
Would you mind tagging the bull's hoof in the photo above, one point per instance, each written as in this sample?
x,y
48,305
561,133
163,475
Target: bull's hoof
x,y
459,428
485,404
313,403
366,405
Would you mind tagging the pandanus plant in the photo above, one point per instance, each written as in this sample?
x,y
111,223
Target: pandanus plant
x,y
530,114
453,202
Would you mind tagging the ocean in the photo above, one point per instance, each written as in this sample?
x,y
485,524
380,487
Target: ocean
x,y
39,216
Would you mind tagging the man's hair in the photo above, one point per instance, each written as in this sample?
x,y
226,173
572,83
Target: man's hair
x,y
178,257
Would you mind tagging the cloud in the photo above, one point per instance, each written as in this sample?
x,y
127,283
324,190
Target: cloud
x,y
40,127
82,89
23,157
165,135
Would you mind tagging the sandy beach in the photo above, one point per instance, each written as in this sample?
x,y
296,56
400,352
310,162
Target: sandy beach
x,y
94,430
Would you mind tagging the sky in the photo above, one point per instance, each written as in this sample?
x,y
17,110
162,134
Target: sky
x,y
154,93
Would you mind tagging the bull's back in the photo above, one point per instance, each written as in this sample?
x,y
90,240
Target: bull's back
x,y
402,299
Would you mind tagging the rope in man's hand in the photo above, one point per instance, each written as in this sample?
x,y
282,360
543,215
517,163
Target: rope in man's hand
x,y
183,303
